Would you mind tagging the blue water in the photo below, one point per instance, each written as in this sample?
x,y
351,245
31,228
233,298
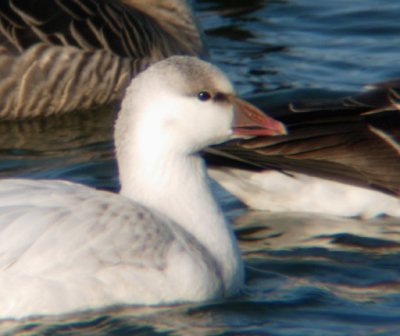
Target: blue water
x,y
306,275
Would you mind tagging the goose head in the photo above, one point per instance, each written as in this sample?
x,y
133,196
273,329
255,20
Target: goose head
x,y
183,104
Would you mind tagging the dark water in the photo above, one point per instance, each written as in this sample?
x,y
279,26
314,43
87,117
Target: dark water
x,y
307,275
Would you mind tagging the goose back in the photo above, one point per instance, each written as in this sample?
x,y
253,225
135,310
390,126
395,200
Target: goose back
x,y
59,56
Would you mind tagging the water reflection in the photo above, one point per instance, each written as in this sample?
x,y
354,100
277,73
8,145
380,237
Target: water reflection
x,y
76,147
290,230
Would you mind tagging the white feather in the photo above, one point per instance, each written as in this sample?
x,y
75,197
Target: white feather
x,y
66,247
278,192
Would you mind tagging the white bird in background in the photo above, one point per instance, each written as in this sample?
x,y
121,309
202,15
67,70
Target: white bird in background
x,y
66,247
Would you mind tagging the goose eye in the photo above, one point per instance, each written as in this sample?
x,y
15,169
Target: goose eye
x,y
204,96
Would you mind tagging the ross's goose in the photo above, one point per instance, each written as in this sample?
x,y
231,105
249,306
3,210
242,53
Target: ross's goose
x,y
57,56
66,247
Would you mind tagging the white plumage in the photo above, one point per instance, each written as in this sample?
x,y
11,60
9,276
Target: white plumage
x,y
293,192
163,239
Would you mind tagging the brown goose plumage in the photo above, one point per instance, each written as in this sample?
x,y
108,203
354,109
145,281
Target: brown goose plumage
x,y
57,56
354,139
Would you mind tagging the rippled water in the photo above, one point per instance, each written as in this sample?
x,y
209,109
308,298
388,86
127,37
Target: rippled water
x,y
307,275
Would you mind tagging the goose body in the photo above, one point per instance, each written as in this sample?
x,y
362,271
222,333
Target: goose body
x,y
67,248
163,239
341,155
60,56
278,191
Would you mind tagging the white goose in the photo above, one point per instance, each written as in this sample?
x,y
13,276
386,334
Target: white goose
x,y
65,247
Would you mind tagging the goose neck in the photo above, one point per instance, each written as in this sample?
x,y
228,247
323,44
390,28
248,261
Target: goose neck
x,y
178,188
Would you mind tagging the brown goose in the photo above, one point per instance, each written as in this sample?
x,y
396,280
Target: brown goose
x,y
57,56
341,156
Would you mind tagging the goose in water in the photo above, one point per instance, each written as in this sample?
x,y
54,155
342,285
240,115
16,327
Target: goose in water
x,y
341,156
57,56
163,239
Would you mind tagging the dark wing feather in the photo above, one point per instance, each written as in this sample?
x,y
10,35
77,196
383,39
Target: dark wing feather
x,y
89,25
354,139
58,56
